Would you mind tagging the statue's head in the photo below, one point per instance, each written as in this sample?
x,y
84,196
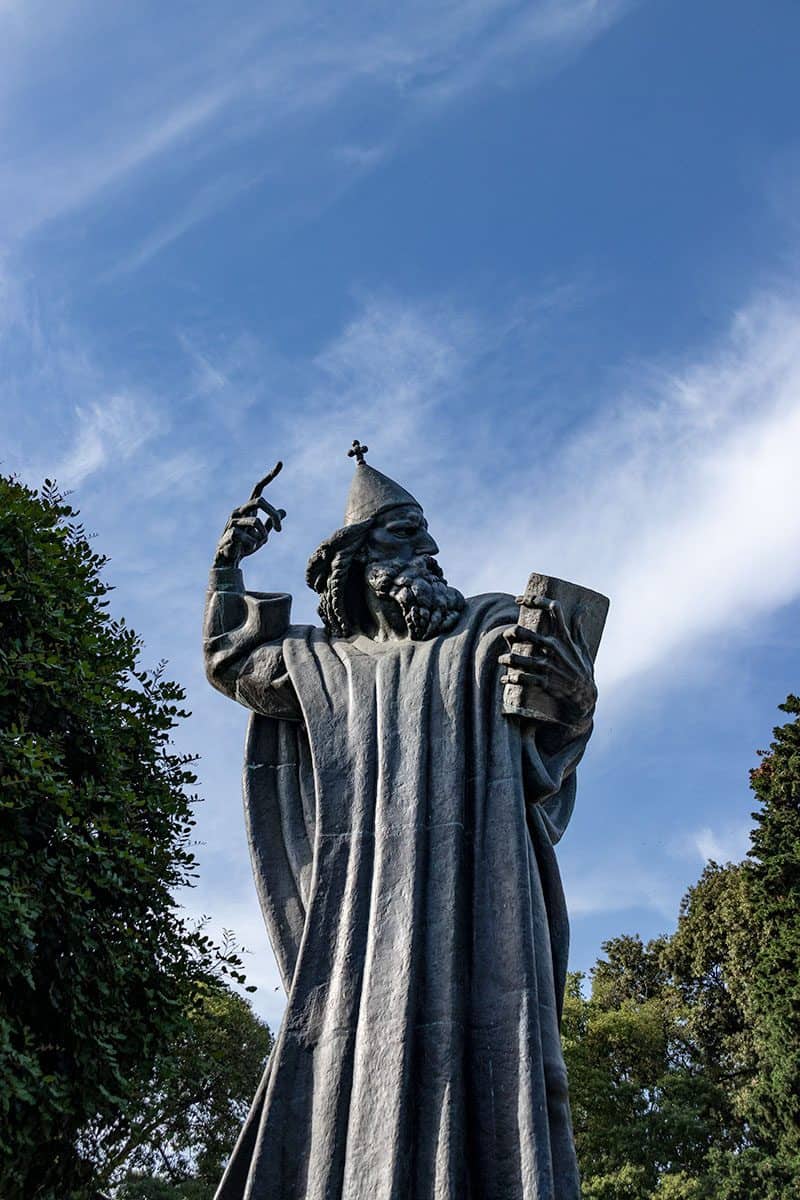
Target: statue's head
x,y
381,564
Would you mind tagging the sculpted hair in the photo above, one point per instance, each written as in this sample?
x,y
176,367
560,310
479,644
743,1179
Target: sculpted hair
x,y
329,573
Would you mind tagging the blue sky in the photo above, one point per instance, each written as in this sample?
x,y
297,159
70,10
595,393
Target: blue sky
x,y
542,257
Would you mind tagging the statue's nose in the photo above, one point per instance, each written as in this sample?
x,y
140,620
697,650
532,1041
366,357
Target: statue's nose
x,y
426,544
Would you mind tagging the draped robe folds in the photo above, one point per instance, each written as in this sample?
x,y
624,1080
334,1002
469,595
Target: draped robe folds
x,y
401,831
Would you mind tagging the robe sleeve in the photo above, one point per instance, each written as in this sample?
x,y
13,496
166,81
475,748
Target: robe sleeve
x,y
243,645
550,753
548,769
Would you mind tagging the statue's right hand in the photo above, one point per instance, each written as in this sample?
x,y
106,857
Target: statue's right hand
x,y
245,531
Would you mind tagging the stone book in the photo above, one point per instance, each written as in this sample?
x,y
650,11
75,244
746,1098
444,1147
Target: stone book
x,y
580,605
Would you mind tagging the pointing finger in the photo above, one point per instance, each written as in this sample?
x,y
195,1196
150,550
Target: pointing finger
x,y
268,478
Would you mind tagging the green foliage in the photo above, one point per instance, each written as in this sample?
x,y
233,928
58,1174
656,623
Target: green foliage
x,y
643,1111
736,958
710,957
150,1187
680,1187
774,986
179,1126
626,1183
95,824
684,1062
752,1172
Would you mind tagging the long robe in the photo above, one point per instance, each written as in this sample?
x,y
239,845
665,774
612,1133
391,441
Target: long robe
x,y
401,830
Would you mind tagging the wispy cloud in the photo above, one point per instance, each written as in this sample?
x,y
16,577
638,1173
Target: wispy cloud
x,y
208,200
621,883
108,432
728,844
66,417
677,500
48,181
273,78
539,37
685,492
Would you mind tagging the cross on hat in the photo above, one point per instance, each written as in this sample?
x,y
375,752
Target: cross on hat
x,y
371,492
357,451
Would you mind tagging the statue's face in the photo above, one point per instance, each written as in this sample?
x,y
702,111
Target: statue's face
x,y
404,578
400,535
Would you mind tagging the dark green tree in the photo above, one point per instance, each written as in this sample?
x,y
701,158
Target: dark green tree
x,y
98,966
645,1115
772,1101
150,1187
775,983
179,1127
736,956
685,1059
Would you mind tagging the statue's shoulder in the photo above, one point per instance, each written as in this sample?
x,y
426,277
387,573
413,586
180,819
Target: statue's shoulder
x,y
499,598
305,633
491,609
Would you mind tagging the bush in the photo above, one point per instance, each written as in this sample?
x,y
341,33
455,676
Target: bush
x,y
98,965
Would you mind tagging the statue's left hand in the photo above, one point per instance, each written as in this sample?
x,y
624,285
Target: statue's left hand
x,y
558,662
245,531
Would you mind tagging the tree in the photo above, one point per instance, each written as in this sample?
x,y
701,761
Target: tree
x,y
644,1115
739,935
775,983
180,1124
98,965
150,1187
685,1059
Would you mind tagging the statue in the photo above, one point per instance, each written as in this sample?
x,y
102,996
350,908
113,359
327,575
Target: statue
x,y
403,794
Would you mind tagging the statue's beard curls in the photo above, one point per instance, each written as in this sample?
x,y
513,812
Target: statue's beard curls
x,y
427,604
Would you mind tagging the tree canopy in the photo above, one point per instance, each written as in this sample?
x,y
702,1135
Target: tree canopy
x,y
684,1059
99,967
177,1129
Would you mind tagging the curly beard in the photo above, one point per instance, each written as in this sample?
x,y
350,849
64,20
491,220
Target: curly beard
x,y
428,605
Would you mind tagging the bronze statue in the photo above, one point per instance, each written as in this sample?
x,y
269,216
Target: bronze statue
x,y
404,790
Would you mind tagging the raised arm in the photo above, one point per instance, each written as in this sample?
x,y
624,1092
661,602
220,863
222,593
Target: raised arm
x,y
243,631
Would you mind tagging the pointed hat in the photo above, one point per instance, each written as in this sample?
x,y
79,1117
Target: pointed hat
x,y
371,492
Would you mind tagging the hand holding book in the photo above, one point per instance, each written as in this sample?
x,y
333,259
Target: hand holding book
x,y
550,660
